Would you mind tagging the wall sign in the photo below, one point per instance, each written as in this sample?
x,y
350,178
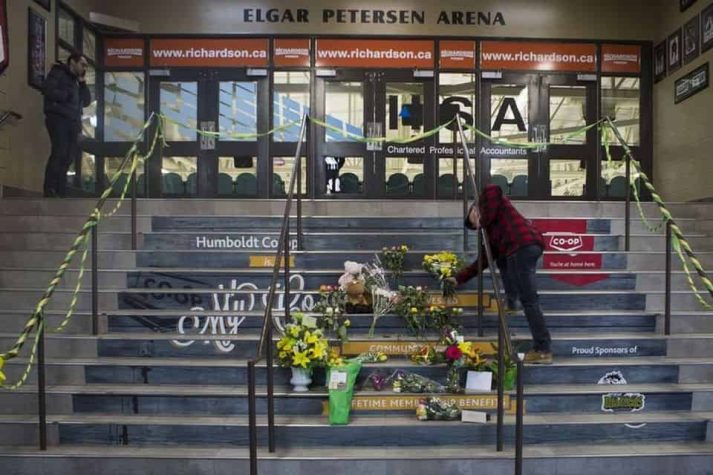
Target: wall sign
x,y
517,55
209,52
621,59
415,54
567,237
291,53
4,39
691,84
124,52
36,49
457,55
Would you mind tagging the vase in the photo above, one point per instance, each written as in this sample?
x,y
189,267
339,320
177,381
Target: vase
x,y
301,378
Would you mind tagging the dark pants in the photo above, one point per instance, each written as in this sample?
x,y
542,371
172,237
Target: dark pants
x,y
64,137
520,281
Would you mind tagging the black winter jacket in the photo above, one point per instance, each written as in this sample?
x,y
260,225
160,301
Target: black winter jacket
x,y
64,94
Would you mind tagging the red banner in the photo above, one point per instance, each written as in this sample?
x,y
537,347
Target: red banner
x,y
124,52
457,54
527,56
291,53
621,59
564,239
375,53
4,38
209,52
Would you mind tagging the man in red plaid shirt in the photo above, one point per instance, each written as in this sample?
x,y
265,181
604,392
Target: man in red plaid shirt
x,y
517,246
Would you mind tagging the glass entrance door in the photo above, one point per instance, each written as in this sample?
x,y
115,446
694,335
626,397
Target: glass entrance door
x,y
540,108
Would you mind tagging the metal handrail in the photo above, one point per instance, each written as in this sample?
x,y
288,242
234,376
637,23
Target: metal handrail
x,y
504,340
264,347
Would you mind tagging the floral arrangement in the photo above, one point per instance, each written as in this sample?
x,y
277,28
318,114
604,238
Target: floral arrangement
x,y
439,316
382,299
332,307
393,258
510,368
303,345
415,383
443,266
412,305
436,409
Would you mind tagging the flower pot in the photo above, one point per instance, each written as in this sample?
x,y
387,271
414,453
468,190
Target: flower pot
x,y
509,381
301,378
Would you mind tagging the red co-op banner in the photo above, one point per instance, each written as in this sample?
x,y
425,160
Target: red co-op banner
x,y
565,241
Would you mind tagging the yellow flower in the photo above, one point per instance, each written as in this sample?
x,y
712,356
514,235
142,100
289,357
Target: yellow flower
x,y
414,310
283,355
295,332
311,339
347,323
466,347
318,352
300,359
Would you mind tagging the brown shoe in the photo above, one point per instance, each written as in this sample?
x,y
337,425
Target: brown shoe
x,y
538,357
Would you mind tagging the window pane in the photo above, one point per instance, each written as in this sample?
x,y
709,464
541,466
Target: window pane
x,y
567,177
123,106
237,176
238,109
89,44
111,167
456,94
612,183
89,114
404,109
63,55
620,101
511,175
179,102
282,174
343,174
290,102
88,177
179,176
66,26
510,104
344,109
402,173
568,112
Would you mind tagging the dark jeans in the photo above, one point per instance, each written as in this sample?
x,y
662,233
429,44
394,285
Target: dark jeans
x,y
64,137
520,281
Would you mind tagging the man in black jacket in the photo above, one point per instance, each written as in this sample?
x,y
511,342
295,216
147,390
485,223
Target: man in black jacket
x,y
65,95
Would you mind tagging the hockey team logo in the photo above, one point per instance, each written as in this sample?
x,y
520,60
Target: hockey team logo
x,y
621,402
566,242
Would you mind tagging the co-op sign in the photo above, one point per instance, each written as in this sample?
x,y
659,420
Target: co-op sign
x,y
240,242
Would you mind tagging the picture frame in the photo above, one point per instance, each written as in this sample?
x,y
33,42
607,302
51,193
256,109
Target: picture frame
x,y
691,39
691,84
660,61
686,4
46,4
673,51
36,49
707,28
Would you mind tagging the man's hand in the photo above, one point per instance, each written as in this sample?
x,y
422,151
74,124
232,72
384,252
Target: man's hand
x,y
452,281
474,217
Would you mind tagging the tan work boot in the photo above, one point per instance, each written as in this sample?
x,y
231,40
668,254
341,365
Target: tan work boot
x,y
538,357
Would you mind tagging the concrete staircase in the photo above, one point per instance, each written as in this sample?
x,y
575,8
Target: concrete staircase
x,y
151,394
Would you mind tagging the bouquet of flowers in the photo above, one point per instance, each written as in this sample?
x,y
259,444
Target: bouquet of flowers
x,y
436,409
442,266
303,345
332,305
439,316
382,299
459,354
411,305
415,383
394,257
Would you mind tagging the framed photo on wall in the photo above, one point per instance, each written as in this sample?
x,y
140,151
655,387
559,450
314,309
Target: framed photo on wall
x,y
691,39
707,28
660,61
46,4
686,4
673,52
36,49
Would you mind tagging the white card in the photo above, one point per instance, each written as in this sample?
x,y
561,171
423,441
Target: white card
x,y
460,339
474,416
338,380
479,381
309,322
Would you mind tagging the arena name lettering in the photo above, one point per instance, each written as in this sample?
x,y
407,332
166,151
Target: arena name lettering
x,y
365,16
241,301
605,351
240,242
